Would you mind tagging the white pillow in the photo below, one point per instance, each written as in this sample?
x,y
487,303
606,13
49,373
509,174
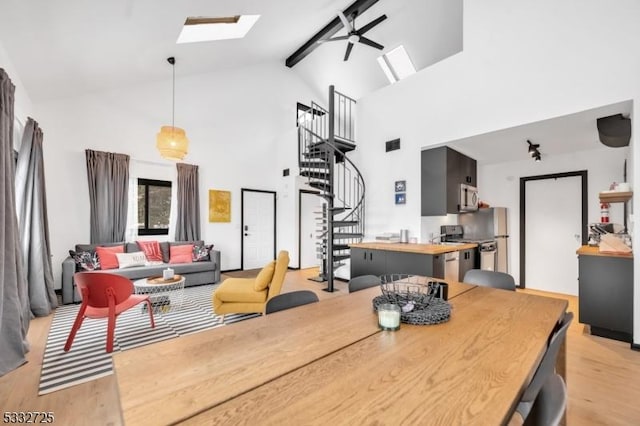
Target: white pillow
x,y
127,260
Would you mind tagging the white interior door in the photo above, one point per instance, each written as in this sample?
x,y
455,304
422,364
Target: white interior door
x,y
553,223
310,213
258,220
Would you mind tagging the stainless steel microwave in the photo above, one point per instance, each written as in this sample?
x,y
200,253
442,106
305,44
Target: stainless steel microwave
x,y
468,198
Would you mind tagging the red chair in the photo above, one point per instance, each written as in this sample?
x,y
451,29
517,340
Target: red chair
x,y
105,296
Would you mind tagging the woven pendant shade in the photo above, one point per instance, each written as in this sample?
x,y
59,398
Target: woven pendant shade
x,y
172,143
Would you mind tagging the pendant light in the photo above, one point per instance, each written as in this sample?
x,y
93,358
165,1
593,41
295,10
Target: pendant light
x,y
172,141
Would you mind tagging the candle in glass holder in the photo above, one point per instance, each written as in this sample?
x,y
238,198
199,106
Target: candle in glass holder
x,y
389,316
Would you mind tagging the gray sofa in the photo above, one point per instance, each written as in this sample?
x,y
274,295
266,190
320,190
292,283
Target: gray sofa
x,y
196,273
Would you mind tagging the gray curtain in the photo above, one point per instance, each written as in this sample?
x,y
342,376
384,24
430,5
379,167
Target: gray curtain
x,y
31,203
188,220
14,299
108,176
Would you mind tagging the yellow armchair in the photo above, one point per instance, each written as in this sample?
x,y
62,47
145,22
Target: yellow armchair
x,y
249,295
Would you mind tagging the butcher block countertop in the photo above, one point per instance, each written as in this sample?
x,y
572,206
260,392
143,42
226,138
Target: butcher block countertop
x,y
415,248
595,251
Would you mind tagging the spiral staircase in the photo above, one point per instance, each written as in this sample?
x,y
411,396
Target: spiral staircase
x,y
325,136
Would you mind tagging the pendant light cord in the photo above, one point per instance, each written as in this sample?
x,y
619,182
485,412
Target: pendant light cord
x,y
173,108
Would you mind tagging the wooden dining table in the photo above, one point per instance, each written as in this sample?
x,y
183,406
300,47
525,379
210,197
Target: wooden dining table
x,y
329,363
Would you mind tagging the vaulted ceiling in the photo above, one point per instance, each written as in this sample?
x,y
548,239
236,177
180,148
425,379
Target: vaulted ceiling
x,y
62,48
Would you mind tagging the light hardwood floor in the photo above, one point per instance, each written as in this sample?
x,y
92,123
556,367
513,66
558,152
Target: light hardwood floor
x,y
603,376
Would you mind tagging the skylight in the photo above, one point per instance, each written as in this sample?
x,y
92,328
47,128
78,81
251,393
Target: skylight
x,y
208,29
396,64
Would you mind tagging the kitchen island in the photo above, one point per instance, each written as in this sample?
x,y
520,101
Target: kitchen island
x,y
373,258
605,286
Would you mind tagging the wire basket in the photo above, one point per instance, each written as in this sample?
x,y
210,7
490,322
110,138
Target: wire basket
x,y
418,299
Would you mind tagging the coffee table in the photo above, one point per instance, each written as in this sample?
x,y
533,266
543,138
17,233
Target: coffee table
x,y
165,295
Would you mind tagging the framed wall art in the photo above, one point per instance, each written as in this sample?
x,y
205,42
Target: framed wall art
x,y
219,206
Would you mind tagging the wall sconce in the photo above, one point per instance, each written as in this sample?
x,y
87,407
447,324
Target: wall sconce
x,y
533,151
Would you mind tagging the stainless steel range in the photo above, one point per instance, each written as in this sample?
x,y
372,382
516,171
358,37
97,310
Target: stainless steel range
x,y
488,249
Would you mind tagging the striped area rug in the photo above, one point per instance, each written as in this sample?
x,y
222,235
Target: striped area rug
x,y
87,359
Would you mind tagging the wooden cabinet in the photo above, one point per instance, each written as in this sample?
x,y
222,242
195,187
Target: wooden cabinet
x,y
467,262
442,171
380,262
606,295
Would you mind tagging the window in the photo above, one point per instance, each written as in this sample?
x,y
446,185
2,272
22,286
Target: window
x,y
202,28
154,206
396,64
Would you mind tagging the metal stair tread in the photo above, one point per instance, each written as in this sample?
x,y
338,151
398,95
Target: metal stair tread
x,y
345,222
343,145
337,258
339,235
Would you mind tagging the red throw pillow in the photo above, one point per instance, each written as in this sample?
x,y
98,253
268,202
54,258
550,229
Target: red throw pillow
x,y
181,254
107,256
151,250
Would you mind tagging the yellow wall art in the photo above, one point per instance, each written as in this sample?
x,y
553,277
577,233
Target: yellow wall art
x,y
219,206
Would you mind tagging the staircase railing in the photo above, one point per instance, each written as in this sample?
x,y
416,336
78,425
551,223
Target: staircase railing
x,y
322,135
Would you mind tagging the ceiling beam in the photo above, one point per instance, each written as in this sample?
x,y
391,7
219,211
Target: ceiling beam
x,y
358,6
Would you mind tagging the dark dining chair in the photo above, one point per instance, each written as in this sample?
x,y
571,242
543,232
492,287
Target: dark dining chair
x,y
490,279
544,389
362,282
290,300
550,403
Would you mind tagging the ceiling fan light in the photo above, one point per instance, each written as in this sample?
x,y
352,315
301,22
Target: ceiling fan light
x,y
354,38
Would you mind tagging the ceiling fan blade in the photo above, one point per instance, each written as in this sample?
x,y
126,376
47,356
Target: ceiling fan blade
x,y
334,39
372,24
371,43
345,21
348,52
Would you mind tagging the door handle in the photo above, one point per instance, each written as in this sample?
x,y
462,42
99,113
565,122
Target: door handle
x,y
246,235
370,256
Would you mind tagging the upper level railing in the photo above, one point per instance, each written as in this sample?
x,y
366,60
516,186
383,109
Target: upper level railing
x,y
320,133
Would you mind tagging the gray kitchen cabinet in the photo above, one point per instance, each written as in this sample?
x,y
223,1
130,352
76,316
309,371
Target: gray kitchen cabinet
x,y
606,295
412,263
380,262
442,171
368,262
467,262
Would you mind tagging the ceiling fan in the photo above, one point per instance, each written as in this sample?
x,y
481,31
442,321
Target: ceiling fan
x,y
354,35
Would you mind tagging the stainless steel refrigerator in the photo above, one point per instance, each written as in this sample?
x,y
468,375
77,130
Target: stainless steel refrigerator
x,y
488,225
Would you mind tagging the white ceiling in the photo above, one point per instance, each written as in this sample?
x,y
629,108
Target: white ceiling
x,y
65,47
556,136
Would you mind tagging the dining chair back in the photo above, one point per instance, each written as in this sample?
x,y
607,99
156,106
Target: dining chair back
x,y
290,300
363,281
550,403
105,295
490,279
546,368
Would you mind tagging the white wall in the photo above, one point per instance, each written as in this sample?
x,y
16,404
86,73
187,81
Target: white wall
x,y
23,107
500,186
522,62
238,124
